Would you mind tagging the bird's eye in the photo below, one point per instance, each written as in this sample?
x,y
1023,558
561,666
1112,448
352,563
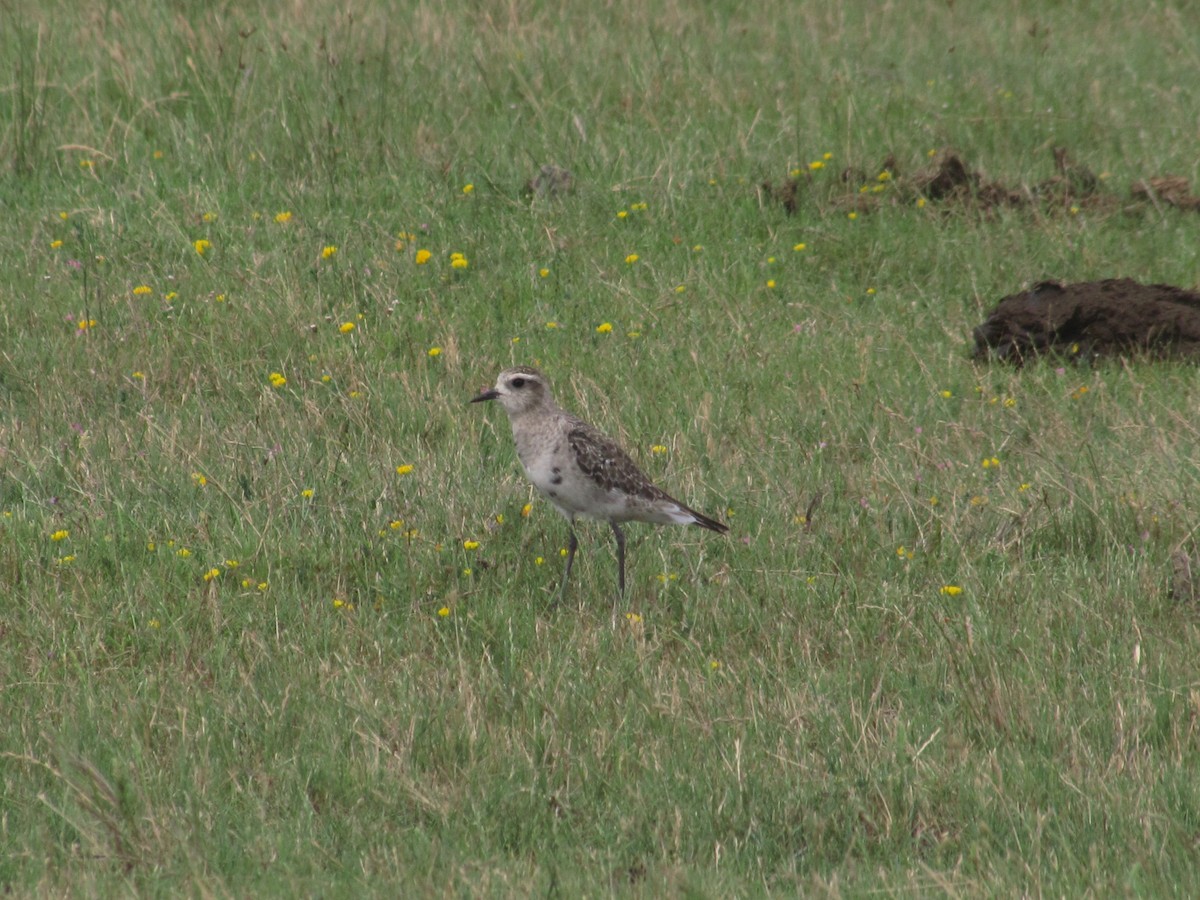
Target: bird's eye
x,y
518,382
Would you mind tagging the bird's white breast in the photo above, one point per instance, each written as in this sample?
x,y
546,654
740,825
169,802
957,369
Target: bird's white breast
x,y
549,463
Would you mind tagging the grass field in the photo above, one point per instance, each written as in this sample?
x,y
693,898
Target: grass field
x,y
278,603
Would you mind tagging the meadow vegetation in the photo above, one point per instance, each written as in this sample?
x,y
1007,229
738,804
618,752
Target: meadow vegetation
x,y
278,603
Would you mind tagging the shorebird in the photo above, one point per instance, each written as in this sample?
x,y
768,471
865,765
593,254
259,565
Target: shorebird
x,y
581,470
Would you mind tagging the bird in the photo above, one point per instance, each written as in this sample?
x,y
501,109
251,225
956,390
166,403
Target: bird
x,y
581,470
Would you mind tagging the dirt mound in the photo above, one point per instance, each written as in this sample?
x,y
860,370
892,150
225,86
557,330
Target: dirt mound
x,y
1092,318
949,183
1170,190
952,180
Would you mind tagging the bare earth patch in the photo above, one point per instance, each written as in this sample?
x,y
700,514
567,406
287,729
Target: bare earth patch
x,y
950,183
1092,318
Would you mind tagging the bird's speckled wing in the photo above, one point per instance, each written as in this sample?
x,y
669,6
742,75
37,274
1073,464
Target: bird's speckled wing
x,y
600,458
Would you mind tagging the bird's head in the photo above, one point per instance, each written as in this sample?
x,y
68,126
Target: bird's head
x,y
519,390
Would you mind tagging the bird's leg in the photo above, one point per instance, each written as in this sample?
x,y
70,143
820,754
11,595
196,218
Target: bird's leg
x,y
572,544
620,556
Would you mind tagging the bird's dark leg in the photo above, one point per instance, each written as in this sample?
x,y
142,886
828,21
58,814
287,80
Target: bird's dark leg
x,y
620,556
572,545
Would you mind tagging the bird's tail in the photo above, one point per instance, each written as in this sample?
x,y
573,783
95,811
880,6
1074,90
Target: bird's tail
x,y
705,522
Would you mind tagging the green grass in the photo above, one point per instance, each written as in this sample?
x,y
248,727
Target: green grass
x,y
799,707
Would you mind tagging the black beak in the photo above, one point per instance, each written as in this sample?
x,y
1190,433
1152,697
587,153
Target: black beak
x,y
490,394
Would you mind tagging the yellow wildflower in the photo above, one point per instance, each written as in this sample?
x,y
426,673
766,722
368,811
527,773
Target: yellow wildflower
x,y
346,327
282,217
604,328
